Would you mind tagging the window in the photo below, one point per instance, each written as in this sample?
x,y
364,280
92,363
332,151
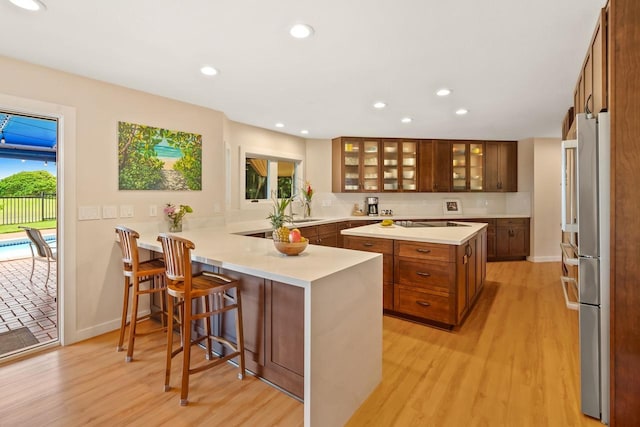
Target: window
x,y
262,175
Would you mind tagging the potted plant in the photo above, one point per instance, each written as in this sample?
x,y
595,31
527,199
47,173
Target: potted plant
x,y
278,218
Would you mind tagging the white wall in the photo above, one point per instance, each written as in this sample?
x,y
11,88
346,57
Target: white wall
x,y
546,218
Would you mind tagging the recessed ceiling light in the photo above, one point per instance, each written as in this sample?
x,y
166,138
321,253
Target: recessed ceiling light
x,y
406,120
462,111
208,70
301,31
379,105
304,132
279,125
443,92
32,5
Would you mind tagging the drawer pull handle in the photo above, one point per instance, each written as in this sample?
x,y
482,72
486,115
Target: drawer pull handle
x,y
420,273
423,303
368,245
424,251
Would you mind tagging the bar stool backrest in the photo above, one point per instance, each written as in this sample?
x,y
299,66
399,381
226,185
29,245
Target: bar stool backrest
x,y
177,258
129,245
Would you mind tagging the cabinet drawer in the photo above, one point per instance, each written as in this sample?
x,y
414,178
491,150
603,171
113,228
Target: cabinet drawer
x,y
509,222
381,246
435,276
422,304
430,251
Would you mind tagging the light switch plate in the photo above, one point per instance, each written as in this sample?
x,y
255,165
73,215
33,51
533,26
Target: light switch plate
x,y
109,212
153,210
87,213
126,211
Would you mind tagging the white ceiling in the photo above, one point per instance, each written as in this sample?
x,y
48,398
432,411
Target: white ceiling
x,y
512,63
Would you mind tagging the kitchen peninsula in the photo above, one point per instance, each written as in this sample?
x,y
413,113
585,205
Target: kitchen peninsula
x,y
433,271
313,322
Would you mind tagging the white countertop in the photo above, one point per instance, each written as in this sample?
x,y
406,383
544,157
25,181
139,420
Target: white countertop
x,y
258,257
260,226
444,235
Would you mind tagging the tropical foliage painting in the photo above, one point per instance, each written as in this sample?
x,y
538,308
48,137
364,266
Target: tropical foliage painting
x,y
151,158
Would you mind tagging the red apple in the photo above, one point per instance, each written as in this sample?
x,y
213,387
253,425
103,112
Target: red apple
x,y
295,235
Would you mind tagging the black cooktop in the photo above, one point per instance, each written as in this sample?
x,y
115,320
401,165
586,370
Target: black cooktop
x,y
413,224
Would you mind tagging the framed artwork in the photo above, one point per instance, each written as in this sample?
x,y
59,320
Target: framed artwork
x,y
151,158
452,207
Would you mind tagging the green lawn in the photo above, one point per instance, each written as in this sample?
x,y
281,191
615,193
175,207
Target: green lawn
x,y
12,228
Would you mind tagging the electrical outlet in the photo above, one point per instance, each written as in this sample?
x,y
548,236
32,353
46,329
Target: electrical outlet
x,y
217,208
153,210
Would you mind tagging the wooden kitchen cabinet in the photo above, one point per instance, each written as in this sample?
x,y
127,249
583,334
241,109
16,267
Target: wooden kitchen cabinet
x,y
400,165
591,88
284,336
355,165
437,282
273,328
512,238
381,246
501,170
442,166
323,235
467,165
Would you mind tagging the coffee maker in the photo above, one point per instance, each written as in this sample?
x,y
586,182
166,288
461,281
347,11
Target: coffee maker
x,y
371,206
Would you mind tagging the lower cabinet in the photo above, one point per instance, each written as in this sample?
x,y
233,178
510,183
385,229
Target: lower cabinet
x,y
381,246
273,328
428,282
512,238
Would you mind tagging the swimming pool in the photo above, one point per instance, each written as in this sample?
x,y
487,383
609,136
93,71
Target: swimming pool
x,y
19,248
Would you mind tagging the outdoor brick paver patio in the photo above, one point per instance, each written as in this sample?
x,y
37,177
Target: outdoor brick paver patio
x,y
26,303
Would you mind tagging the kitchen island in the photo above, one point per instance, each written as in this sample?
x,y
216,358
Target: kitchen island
x,y
340,310
431,274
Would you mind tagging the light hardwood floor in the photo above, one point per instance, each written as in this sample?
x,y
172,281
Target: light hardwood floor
x,y
514,362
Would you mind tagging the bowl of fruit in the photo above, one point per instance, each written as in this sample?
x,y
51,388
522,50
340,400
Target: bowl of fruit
x,y
292,245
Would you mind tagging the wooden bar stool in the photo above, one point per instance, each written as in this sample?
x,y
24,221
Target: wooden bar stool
x,y
136,273
212,291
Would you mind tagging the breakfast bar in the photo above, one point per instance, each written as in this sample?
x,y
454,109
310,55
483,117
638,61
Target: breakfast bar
x,y
342,306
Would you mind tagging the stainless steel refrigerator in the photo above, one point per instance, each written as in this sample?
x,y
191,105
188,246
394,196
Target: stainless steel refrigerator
x,y
589,178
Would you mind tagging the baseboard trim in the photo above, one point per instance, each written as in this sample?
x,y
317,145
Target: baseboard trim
x,y
102,328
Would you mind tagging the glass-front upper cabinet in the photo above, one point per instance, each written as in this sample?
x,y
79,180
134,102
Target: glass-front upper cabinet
x,y
399,165
467,166
360,165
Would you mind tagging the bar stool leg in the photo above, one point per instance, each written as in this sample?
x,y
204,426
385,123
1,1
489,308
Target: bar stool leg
x,y
167,372
207,327
239,334
134,319
125,308
186,363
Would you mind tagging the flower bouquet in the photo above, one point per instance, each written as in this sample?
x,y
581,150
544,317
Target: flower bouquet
x,y
175,215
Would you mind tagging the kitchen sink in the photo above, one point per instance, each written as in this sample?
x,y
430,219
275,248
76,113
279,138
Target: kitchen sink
x,y
302,221
420,224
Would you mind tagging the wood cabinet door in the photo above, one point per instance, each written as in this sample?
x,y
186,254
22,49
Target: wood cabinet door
x,y
462,273
519,242
501,160
503,242
442,166
426,166
472,272
284,333
252,297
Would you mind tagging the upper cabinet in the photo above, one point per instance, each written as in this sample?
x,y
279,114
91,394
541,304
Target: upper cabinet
x,y
590,93
422,165
467,165
501,171
356,165
399,165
